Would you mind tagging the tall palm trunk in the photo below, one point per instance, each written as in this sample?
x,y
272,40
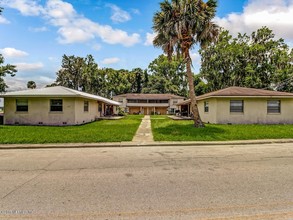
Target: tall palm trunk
x,y
192,96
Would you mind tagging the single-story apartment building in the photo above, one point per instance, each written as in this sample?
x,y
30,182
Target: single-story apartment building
x,y
147,104
239,105
53,106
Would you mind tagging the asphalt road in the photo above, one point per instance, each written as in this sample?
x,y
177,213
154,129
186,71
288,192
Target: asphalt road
x,y
210,182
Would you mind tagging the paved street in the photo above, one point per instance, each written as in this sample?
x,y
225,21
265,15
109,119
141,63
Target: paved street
x,y
216,182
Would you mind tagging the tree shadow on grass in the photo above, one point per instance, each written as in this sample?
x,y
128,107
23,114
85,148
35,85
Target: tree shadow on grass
x,y
188,132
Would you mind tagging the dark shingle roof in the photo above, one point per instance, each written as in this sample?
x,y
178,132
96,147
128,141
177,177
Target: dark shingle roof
x,y
241,92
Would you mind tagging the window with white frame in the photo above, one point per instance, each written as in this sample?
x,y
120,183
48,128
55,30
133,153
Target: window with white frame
x,y
274,106
236,106
21,105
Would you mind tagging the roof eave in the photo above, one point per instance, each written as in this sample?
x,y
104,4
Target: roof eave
x,y
61,96
240,96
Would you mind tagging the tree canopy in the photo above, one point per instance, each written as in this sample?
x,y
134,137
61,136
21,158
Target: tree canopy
x,y
166,76
161,76
31,85
5,69
181,24
257,61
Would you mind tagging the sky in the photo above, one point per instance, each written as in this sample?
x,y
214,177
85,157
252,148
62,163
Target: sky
x,y
35,34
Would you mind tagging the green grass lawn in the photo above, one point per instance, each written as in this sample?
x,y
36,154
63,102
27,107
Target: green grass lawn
x,y
99,131
165,129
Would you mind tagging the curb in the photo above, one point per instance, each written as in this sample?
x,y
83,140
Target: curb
x,y
142,144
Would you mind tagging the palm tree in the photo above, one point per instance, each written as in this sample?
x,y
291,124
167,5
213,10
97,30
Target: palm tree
x,y
180,25
31,85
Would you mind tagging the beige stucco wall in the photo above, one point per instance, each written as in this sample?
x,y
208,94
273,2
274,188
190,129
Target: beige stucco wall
x,y
255,112
211,116
81,116
39,112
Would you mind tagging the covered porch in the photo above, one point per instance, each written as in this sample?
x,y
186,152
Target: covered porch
x,y
184,110
146,110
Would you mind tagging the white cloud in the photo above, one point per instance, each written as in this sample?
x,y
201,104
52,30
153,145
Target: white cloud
x,y
277,15
25,67
20,83
150,38
73,27
12,52
135,11
74,35
196,61
3,20
15,84
110,60
195,57
26,7
38,29
119,15
60,13
97,47
45,79
52,58
116,36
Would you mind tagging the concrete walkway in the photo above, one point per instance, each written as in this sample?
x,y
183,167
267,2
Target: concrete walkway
x,y
144,132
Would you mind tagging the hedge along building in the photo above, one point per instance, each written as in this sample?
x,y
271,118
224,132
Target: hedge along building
x,y
54,106
238,105
148,104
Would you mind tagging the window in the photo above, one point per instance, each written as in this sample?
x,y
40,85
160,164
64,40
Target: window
x,y
172,111
132,100
274,106
175,102
86,106
100,107
236,106
56,105
142,101
21,105
206,106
